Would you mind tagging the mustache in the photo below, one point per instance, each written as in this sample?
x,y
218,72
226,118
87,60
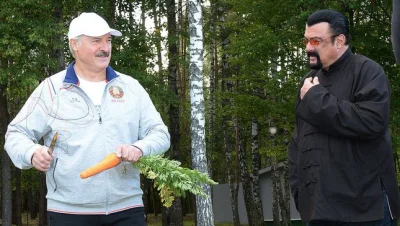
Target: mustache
x,y
313,54
315,66
102,54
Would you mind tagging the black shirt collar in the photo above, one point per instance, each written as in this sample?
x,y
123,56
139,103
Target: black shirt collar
x,y
338,63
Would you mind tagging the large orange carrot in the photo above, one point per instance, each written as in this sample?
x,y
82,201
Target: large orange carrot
x,y
108,162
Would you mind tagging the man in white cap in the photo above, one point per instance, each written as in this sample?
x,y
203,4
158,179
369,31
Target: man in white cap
x,y
95,111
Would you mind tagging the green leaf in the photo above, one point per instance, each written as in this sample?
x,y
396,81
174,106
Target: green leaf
x,y
171,179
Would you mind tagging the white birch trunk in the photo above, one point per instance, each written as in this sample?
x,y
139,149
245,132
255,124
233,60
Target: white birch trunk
x,y
204,212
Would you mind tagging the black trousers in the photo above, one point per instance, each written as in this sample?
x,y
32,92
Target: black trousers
x,y
130,217
386,221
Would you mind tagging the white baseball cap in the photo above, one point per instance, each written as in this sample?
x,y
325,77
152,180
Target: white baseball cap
x,y
90,24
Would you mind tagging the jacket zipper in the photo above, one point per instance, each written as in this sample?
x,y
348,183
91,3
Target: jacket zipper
x,y
54,178
98,108
100,120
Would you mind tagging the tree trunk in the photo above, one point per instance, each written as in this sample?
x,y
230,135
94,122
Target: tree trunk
x,y
165,219
244,174
176,217
143,30
281,199
226,87
42,201
58,50
157,27
111,10
193,197
33,203
6,192
275,192
199,159
145,188
18,200
176,208
231,174
211,138
183,76
286,190
256,167
143,18
156,200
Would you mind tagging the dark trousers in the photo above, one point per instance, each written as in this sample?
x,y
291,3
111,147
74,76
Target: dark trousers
x,y
386,221
130,217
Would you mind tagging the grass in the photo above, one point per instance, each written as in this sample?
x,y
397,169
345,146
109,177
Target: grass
x,y
157,220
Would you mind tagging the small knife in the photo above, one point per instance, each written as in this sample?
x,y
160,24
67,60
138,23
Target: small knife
x,y
53,144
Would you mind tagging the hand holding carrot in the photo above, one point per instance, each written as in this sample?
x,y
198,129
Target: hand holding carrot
x,y
128,152
124,152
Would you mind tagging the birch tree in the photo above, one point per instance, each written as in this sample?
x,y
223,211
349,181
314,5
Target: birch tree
x,y
256,167
204,212
244,173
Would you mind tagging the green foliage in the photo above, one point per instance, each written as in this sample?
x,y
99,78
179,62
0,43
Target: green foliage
x,y
30,179
171,179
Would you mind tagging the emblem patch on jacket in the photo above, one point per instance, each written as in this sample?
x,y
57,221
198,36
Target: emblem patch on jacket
x,y
116,92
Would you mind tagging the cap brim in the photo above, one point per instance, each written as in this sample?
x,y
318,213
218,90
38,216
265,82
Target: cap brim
x,y
101,33
115,32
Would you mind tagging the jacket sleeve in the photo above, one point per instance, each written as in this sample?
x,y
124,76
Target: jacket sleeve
x,y
396,29
366,117
154,137
28,127
293,174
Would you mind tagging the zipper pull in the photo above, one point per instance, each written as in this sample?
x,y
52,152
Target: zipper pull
x,y
54,178
98,107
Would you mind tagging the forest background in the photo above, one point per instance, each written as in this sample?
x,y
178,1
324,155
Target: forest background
x,y
253,62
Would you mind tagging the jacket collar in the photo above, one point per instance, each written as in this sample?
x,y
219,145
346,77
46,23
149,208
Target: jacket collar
x,y
71,77
338,63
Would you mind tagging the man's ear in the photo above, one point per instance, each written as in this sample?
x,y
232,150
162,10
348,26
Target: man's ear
x,y
340,41
74,44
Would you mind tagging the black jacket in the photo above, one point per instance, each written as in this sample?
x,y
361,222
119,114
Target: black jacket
x,y
340,151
